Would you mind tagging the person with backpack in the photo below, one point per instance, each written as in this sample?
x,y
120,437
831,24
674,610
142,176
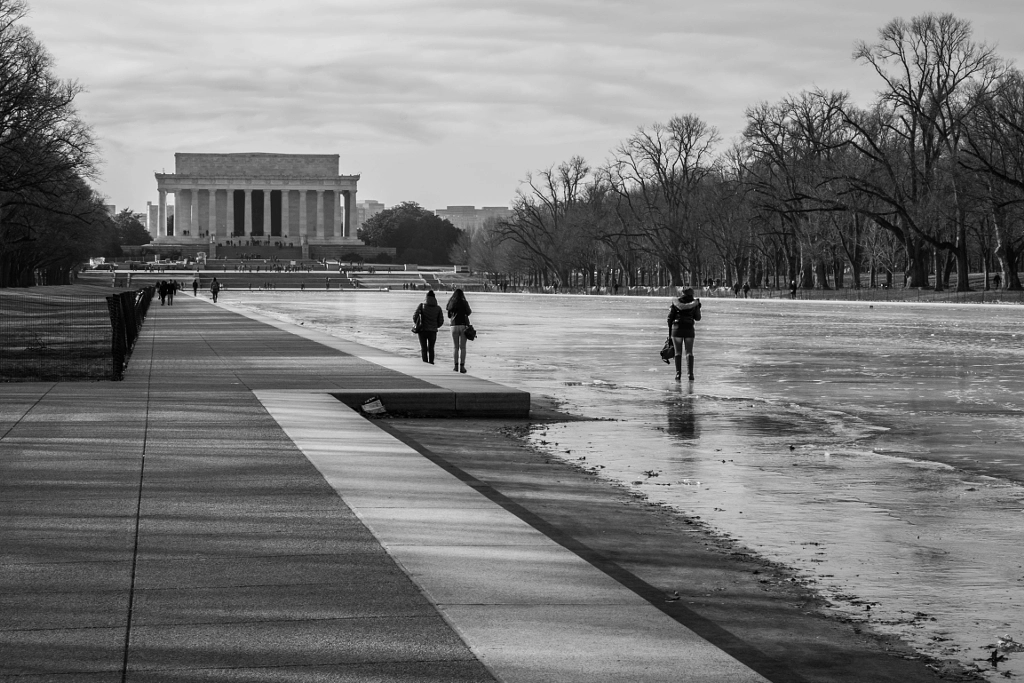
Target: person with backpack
x,y
214,289
428,319
683,313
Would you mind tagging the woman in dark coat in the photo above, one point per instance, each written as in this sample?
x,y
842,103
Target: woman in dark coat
x,y
429,318
685,310
458,312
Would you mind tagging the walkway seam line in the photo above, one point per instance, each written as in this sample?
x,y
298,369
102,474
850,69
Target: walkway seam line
x,y
138,512
28,410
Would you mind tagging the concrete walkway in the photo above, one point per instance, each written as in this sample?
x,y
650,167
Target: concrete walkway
x,y
220,516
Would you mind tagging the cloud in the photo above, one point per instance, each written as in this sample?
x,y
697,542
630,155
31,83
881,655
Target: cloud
x,y
450,101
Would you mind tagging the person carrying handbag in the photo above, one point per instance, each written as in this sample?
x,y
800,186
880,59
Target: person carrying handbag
x,y
684,311
458,313
428,319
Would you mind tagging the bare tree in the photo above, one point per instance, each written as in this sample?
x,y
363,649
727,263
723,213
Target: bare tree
x,y
931,66
792,148
657,174
550,217
994,149
44,147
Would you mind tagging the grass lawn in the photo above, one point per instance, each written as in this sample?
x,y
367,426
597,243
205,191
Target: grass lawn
x,y
55,334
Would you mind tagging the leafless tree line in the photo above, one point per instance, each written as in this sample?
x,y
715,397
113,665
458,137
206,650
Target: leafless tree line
x,y
926,181
50,218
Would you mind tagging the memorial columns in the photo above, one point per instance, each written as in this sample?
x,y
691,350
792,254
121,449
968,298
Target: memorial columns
x,y
247,213
319,213
286,230
229,212
337,213
266,214
182,217
194,225
161,219
211,226
351,214
303,226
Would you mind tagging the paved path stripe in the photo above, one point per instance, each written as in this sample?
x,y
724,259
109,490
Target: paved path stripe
x,y
530,609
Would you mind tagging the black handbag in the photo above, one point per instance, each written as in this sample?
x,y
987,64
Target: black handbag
x,y
668,351
417,318
470,332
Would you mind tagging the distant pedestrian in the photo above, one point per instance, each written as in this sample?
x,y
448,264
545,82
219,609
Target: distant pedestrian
x,y
736,288
996,280
429,318
459,312
161,289
195,286
214,289
685,310
172,287
746,289
792,289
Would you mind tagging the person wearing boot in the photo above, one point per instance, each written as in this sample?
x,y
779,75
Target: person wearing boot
x,y
459,312
685,310
429,318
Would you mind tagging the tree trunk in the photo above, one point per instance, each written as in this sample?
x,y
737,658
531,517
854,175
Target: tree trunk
x,y
676,274
821,273
953,260
1009,259
917,262
807,276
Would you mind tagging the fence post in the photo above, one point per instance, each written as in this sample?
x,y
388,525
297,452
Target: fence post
x,y
117,338
131,330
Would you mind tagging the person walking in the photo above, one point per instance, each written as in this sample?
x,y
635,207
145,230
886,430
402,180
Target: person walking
x,y
161,289
429,318
684,311
195,286
214,289
459,312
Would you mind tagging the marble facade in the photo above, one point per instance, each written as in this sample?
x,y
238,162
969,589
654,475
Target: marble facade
x,y
256,199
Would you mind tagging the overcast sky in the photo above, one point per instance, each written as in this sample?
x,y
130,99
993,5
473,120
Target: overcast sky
x,y
448,101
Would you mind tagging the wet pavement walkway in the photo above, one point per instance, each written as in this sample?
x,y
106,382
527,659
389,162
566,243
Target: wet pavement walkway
x,y
220,516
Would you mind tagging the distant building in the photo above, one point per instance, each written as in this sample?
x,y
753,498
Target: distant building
x,y
256,199
470,217
368,209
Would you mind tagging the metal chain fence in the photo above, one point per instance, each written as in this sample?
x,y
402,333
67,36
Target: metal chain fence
x,y
62,334
127,311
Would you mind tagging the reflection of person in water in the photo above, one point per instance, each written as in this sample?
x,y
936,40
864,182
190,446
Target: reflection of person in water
x,y
682,420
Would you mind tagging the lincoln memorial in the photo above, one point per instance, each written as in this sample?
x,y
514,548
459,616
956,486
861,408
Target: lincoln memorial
x,y
256,199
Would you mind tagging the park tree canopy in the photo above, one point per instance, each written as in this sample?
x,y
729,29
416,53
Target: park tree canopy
x,y
417,235
49,217
130,230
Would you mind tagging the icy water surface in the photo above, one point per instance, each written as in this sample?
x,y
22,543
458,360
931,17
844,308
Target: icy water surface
x,y
876,449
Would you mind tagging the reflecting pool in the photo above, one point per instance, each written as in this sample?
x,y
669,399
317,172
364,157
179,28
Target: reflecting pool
x,y
874,448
